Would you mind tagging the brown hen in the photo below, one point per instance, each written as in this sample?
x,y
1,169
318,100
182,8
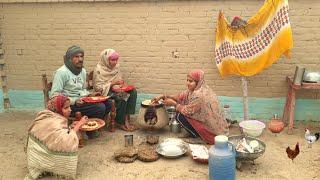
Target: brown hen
x,y
293,153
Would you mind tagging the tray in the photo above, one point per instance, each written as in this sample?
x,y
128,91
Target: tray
x,y
199,153
125,88
95,99
100,122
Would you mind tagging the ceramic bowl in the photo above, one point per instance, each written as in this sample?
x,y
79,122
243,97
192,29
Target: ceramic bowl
x,y
252,127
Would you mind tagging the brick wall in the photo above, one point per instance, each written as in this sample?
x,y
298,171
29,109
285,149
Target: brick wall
x,y
147,34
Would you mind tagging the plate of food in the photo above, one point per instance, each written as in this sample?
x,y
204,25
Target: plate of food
x,y
92,124
94,99
124,88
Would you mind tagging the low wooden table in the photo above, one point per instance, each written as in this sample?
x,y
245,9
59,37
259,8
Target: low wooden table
x,y
288,112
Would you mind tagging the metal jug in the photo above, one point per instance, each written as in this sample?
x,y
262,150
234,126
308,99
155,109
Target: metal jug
x,y
175,126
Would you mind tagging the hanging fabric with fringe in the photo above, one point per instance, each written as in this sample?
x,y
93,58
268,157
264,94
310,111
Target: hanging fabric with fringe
x,y
246,48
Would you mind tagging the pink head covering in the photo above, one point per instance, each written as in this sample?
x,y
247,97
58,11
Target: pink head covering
x,y
56,104
113,56
198,76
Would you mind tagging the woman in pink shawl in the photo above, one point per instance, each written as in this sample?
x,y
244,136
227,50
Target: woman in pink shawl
x,y
52,145
199,109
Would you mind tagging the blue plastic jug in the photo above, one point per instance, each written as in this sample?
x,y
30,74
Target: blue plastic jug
x,y
222,159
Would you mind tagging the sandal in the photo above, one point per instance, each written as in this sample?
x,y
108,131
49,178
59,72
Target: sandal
x,y
133,127
125,128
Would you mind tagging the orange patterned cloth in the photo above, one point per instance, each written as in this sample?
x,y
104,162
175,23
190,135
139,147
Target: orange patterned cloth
x,y
248,49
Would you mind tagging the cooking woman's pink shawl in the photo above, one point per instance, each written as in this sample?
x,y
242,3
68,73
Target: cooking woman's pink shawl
x,y
202,105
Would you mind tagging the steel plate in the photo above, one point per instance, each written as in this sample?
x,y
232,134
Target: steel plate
x,y
172,148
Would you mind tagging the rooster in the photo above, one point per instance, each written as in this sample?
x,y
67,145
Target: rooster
x,y
293,153
237,22
310,138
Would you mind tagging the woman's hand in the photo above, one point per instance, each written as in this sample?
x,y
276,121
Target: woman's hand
x,y
95,94
77,124
83,120
79,102
119,82
157,99
169,102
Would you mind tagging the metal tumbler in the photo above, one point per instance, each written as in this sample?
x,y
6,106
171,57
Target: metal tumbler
x,y
128,140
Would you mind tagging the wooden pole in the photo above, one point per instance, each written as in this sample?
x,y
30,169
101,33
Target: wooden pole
x,y
6,100
245,98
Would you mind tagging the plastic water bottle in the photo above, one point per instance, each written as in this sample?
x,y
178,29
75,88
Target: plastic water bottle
x,y
222,159
227,114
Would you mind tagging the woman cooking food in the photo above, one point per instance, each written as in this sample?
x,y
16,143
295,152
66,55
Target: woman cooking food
x,y
106,79
52,145
198,108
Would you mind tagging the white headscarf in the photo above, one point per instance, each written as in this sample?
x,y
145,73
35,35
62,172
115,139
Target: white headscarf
x,y
103,74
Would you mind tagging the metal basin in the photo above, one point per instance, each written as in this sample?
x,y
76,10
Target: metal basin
x,y
312,77
246,156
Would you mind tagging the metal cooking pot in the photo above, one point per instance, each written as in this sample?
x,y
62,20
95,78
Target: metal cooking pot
x,y
312,77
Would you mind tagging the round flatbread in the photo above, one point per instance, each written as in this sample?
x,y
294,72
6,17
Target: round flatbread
x,y
147,153
126,155
127,159
152,139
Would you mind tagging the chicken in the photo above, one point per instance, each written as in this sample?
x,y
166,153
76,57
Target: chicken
x,y
293,153
310,138
237,22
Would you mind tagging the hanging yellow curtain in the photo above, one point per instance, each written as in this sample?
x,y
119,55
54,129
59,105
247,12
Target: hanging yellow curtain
x,y
248,49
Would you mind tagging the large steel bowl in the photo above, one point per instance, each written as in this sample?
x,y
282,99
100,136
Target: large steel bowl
x,y
246,156
312,77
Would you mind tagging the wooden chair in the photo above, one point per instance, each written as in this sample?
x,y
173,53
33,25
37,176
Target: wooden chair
x,y
90,80
46,87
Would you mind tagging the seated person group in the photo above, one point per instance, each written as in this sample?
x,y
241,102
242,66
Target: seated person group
x,y
198,111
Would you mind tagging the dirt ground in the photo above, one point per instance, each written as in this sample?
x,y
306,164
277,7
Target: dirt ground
x,y
96,158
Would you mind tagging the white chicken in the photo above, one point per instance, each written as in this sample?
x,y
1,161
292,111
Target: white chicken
x,y
310,138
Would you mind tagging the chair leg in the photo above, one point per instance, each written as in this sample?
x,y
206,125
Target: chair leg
x,y
112,117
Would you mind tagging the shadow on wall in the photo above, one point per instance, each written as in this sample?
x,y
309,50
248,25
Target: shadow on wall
x,y
259,108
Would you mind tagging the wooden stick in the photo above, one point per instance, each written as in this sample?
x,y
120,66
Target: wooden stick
x,y
245,98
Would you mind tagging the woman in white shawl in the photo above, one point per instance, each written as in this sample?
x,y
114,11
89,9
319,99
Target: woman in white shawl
x,y
106,77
